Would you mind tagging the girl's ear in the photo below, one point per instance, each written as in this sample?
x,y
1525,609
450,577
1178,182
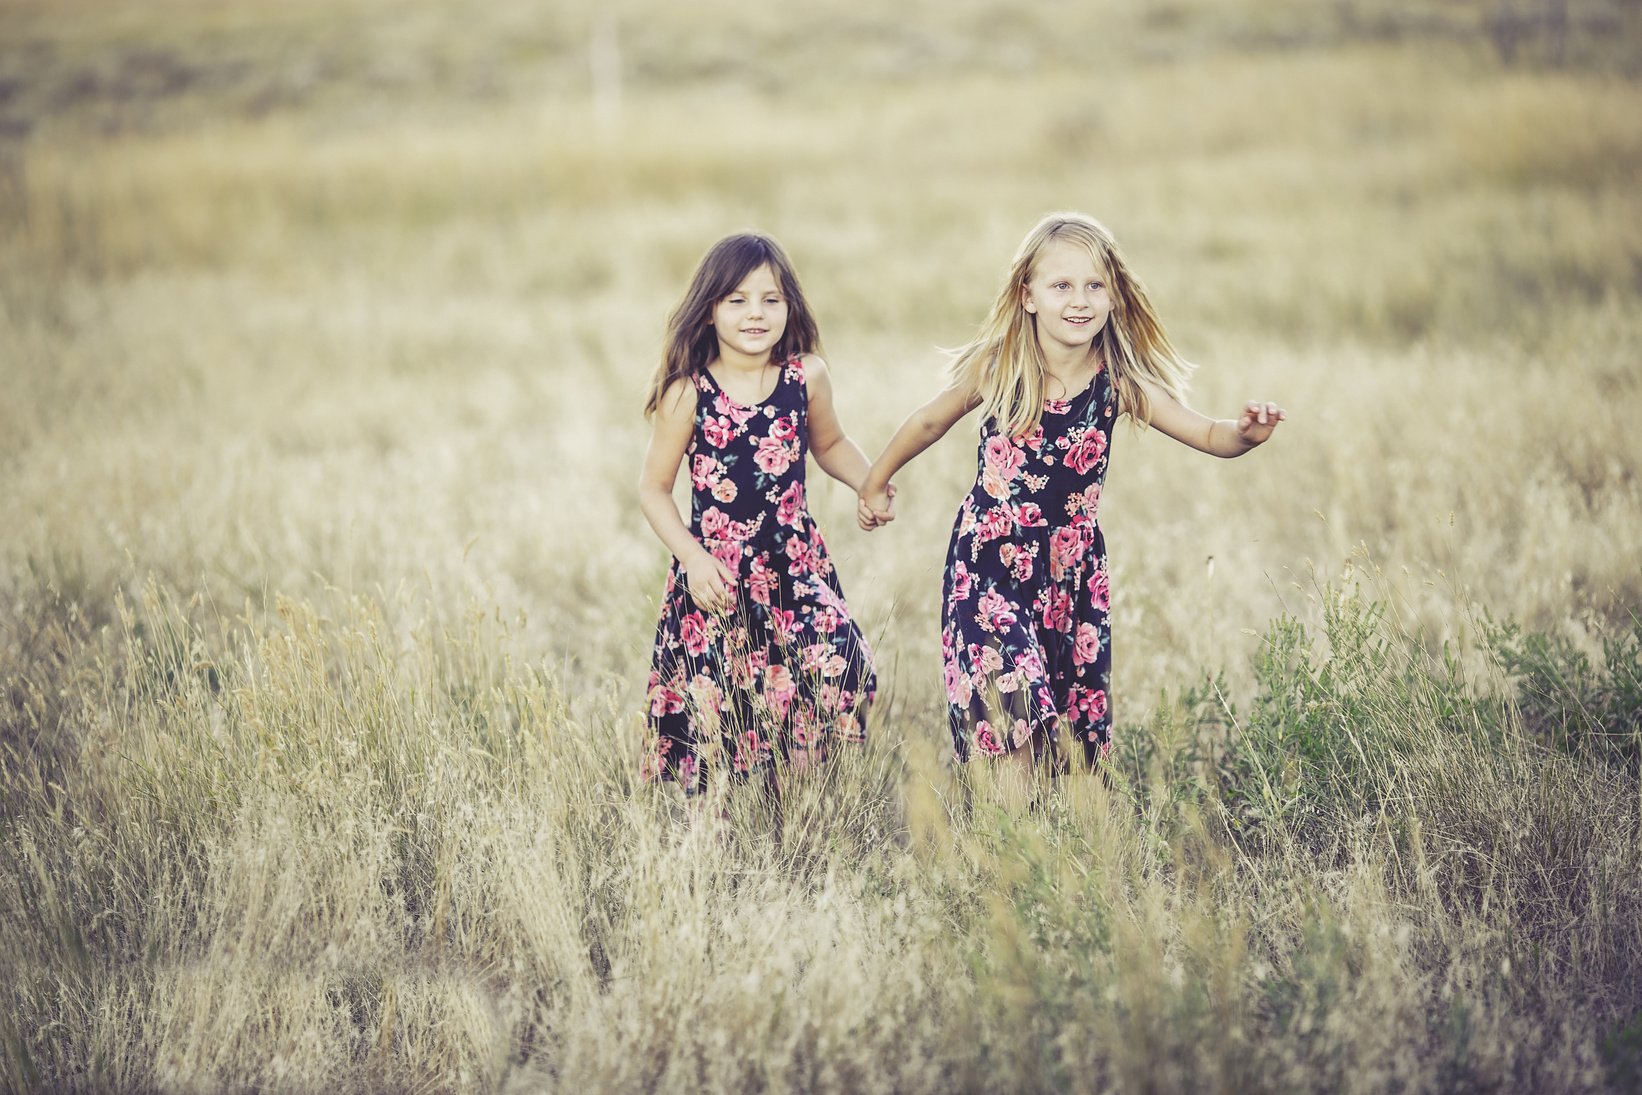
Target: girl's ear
x,y
1026,301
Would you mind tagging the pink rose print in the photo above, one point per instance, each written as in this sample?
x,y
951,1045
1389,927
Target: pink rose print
x,y
815,656
1087,645
1091,499
1066,547
693,630
1086,453
1057,610
985,659
995,610
725,490
761,580
802,555
774,456
1004,458
958,689
1022,734
723,404
779,689
960,583
1100,591
704,471
986,741
785,427
665,701
714,523
1086,704
1029,665
994,484
996,523
791,506
717,431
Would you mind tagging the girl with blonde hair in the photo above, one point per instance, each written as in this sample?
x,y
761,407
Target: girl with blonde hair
x,y
1071,343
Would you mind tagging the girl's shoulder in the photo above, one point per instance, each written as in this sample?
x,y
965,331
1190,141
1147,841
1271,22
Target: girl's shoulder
x,y
681,394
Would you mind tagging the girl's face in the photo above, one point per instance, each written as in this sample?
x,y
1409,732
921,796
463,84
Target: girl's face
x,y
1067,296
751,319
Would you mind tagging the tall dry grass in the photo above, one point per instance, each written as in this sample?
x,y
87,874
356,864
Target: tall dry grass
x,y
326,601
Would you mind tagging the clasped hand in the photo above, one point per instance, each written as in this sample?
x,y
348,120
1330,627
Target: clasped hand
x,y
874,509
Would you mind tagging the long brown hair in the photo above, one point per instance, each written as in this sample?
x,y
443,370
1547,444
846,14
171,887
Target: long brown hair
x,y
1004,365
691,342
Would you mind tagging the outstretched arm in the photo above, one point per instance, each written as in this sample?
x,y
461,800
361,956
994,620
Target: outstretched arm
x,y
922,428
1223,437
834,451
709,581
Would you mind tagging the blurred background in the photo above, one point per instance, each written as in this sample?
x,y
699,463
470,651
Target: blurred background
x,y
326,604
363,295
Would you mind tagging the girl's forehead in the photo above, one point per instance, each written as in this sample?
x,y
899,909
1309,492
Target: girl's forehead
x,y
758,280
1063,258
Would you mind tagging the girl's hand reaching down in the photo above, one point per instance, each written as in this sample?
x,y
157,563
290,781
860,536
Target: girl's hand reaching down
x,y
1258,421
710,582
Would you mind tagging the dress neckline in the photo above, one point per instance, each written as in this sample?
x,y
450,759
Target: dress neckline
x,y
780,379
1061,406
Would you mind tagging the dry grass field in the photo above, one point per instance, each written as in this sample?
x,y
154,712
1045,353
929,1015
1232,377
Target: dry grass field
x,y
325,601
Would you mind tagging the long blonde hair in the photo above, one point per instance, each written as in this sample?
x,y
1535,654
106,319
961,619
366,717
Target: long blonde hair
x,y
1004,365
691,343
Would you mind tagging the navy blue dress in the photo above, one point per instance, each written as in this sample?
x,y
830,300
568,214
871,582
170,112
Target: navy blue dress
x,y
786,671
1025,631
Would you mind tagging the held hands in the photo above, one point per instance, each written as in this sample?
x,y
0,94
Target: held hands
x,y
710,583
875,508
1258,421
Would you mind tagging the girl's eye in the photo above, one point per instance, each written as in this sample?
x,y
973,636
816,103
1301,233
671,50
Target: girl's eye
x,y
1094,285
1060,285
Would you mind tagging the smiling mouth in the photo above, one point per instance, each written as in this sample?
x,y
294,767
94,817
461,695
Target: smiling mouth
x,y
756,331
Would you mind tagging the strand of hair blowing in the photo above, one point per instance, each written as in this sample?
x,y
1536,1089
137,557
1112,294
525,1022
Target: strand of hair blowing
x,y
1005,366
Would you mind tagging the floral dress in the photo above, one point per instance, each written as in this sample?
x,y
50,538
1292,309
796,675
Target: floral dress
x,y
1025,638
787,670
